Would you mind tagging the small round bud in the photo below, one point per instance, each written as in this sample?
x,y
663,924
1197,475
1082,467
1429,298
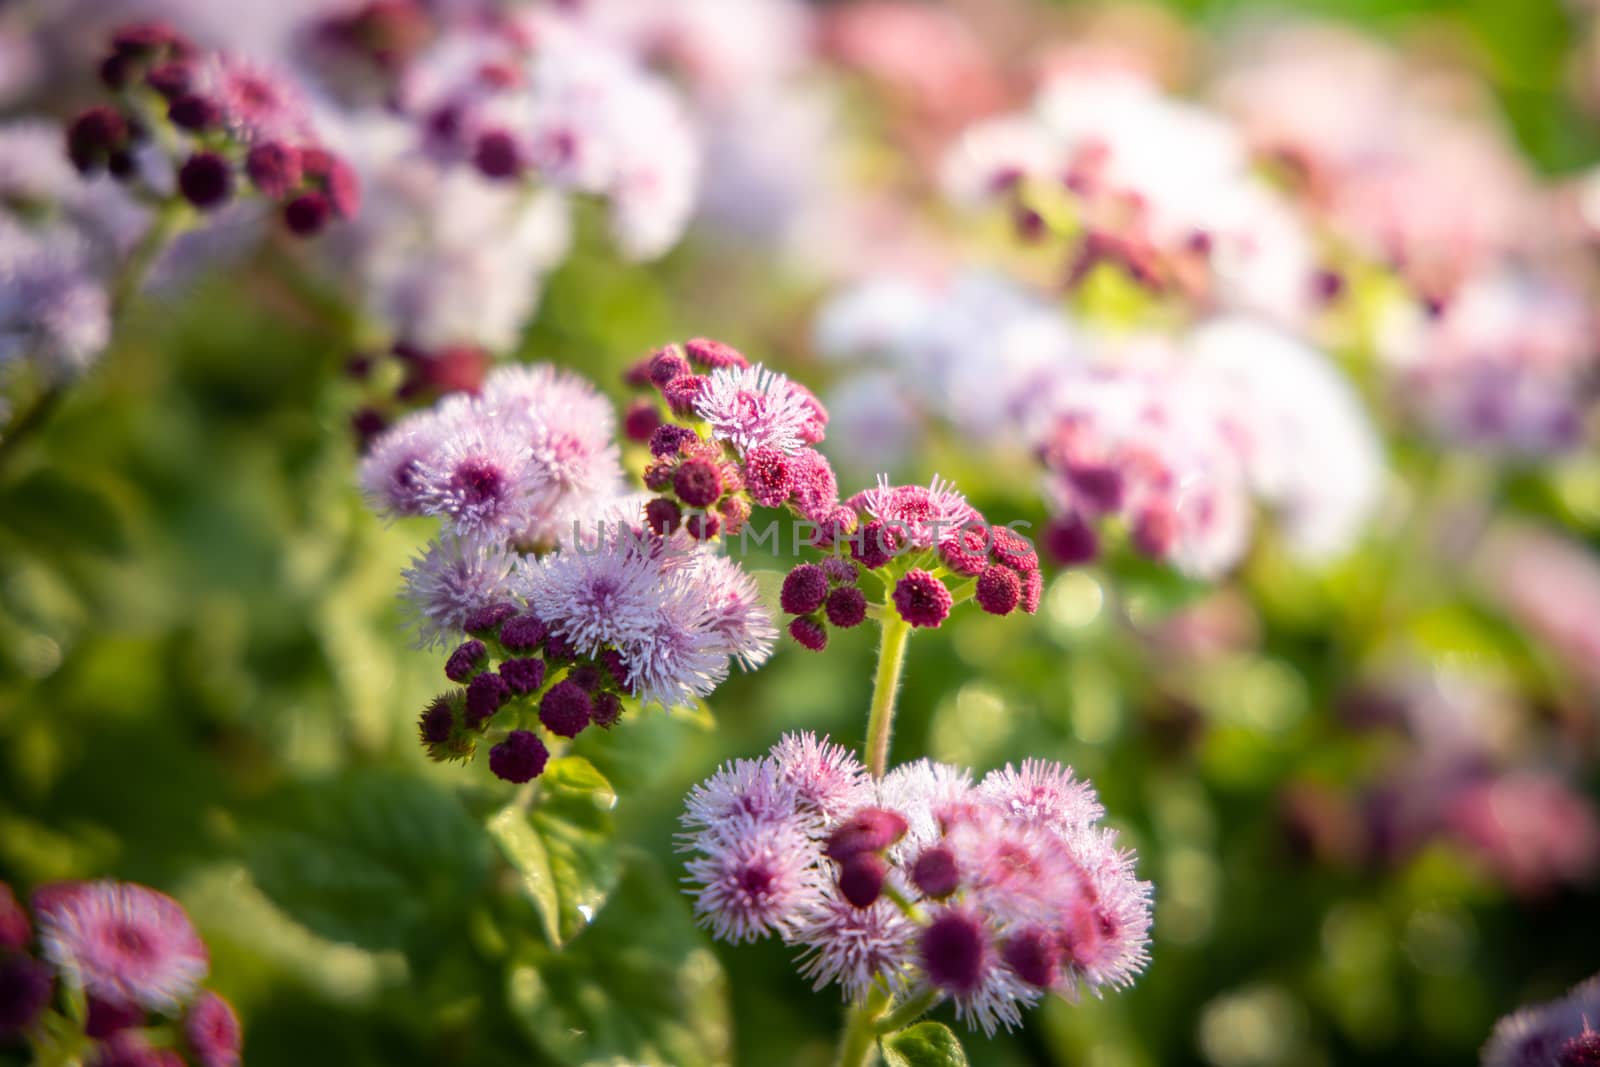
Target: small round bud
x,y
935,873
868,830
1032,592
1071,541
875,545
804,589
171,80
1035,956
1101,487
524,676
438,721
523,633
466,661
108,1017
605,708
211,1030
697,482
24,991
861,879
702,526
921,599
808,633
669,438
641,420
586,677
768,476
952,949
557,648
840,571
714,355
497,156
521,757
846,607
966,551
273,168
367,424
667,366
681,393
307,214
93,136
662,515
115,70
735,512
486,620
617,667
486,694
998,590
565,710
1012,549
206,181
194,112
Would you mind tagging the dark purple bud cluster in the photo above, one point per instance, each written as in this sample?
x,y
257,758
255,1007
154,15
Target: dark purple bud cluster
x,y
821,595
516,674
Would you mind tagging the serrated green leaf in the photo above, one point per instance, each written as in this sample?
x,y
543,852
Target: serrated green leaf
x,y
376,859
563,847
638,987
926,1044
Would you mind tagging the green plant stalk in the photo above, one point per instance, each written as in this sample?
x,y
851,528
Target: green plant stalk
x,y
885,687
858,1046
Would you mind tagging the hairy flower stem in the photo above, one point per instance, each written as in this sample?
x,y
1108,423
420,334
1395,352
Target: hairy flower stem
x,y
885,687
858,1047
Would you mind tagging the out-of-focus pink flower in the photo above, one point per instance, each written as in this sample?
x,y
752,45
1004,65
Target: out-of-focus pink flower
x,y
1552,587
1531,829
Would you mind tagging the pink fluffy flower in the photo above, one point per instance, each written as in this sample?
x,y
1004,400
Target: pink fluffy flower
x,y
924,516
752,407
452,579
753,880
125,943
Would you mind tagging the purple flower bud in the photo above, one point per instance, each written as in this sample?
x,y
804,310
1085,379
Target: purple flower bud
x,y
194,112
952,949
171,80
804,589
485,621
662,515
697,482
336,178
641,420
998,590
1071,541
617,667
211,1030
523,675
875,546
306,215
809,633
935,873
523,633
24,992
1032,592
557,648
565,710
861,878
868,830
668,438
1035,956
846,607
206,181
702,526
274,169
486,694
921,599
466,661
1012,549
605,708
769,476
519,758
714,355
93,136
667,366
840,571
438,720
106,1017
681,393
497,156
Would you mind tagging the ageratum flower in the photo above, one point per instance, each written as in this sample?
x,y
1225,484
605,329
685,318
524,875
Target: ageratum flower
x,y
1002,892
1555,1034
123,942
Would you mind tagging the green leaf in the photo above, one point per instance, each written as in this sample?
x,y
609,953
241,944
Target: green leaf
x,y
563,847
53,510
924,1045
639,987
376,859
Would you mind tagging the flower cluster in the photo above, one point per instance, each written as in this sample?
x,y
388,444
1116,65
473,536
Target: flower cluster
x,y
201,123
991,894
135,957
565,594
1558,1034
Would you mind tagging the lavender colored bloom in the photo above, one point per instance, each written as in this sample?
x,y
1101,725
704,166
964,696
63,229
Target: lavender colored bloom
x,y
123,942
733,609
481,479
855,947
1044,794
53,310
392,473
454,578
752,407
753,880
1536,1035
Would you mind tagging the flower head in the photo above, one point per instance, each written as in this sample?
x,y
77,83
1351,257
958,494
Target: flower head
x,y
752,407
125,943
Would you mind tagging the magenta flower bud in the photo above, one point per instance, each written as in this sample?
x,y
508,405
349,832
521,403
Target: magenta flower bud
x,y
206,181
768,476
211,1030
681,393
697,482
438,721
808,633
1582,1050
935,873
24,992
669,438
1012,549
565,710
1035,956
861,879
15,929
142,40
998,590
840,571
106,1017
1071,541
467,660
735,512
641,420
846,607
966,551
586,677
337,178
366,424
485,621
953,949
115,70
171,80
486,694
523,633
524,676
702,526
804,589
93,136
605,708
667,366
662,515
274,169
521,757
557,648
921,599
307,214
1099,485
617,667
1032,592
714,355
497,156
194,112
868,830
875,545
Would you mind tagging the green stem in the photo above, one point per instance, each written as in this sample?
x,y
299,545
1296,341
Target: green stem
x,y
908,1011
885,687
858,1047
